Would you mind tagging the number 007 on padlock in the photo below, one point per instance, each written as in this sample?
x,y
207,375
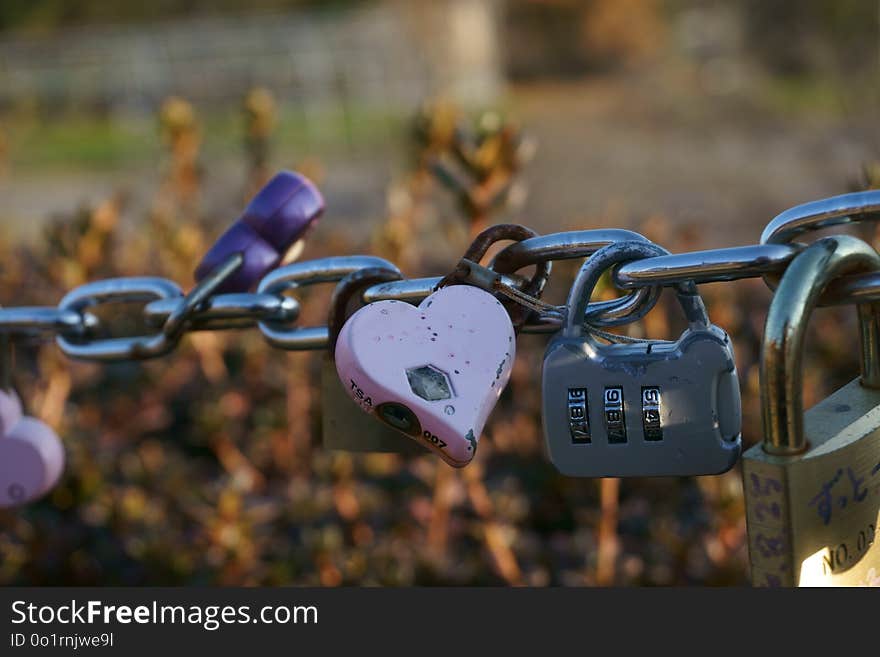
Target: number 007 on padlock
x,y
813,487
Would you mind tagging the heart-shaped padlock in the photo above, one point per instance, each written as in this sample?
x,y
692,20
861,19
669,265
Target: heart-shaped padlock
x,y
434,372
31,455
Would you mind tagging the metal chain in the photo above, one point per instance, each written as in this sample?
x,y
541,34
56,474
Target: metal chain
x,y
170,313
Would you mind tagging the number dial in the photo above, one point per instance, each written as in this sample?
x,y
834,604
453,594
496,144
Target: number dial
x,y
657,409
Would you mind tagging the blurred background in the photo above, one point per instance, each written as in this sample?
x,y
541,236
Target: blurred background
x,y
132,135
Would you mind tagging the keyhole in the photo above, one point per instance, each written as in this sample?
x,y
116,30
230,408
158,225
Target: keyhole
x,y
400,417
16,492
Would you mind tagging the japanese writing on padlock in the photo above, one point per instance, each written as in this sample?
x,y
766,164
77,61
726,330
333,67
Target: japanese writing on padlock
x,y
813,487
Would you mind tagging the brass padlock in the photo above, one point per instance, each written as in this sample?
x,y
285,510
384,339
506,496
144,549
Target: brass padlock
x,y
813,487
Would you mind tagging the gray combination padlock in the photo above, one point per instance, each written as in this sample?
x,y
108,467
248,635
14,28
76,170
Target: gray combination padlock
x,y
344,426
648,408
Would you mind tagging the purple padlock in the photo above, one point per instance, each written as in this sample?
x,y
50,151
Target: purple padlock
x,y
275,219
259,258
284,209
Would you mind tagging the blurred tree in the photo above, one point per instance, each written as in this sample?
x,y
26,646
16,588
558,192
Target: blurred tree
x,y
616,32
572,37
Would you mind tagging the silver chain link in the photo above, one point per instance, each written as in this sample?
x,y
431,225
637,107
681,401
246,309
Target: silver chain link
x,y
170,314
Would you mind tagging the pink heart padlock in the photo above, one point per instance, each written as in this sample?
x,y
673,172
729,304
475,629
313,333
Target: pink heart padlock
x,y
31,462
433,372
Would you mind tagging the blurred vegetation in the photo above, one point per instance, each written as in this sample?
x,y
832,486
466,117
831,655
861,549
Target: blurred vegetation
x,y
85,142
206,467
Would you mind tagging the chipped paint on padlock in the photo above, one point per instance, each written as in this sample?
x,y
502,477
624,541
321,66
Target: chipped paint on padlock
x,y
813,487
435,371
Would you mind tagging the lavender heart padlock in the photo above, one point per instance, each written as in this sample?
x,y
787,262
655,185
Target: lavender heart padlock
x,y
31,461
433,372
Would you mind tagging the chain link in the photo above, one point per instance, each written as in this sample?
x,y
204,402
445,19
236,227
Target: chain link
x,y
581,244
117,290
816,215
170,314
303,274
231,311
46,320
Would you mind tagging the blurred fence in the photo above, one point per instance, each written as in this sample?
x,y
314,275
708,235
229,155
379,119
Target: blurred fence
x,y
377,56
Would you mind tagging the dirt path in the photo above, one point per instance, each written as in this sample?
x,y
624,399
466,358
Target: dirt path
x,y
617,153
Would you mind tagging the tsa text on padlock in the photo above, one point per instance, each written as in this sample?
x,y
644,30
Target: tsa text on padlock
x,y
343,424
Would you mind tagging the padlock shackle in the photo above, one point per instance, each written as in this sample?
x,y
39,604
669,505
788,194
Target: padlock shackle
x,y
869,344
614,254
356,282
534,287
785,331
500,232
